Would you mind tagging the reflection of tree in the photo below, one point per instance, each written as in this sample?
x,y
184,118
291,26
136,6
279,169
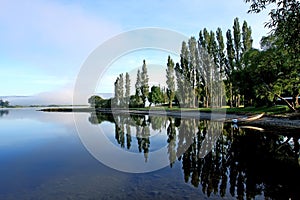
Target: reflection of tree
x,y
142,135
99,117
171,132
241,162
119,130
253,162
186,132
157,122
3,112
128,136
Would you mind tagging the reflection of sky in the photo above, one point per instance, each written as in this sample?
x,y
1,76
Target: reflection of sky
x,y
38,149
41,157
26,126
14,135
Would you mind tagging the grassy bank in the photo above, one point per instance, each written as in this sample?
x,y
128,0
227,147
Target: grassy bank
x,y
241,110
275,111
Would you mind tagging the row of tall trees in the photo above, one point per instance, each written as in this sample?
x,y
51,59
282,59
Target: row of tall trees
x,y
143,93
206,66
224,69
198,79
122,91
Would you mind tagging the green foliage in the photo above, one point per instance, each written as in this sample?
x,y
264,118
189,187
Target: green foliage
x,y
246,37
237,43
156,95
119,91
98,102
283,44
284,20
251,76
170,81
135,102
4,104
138,86
127,89
183,76
144,83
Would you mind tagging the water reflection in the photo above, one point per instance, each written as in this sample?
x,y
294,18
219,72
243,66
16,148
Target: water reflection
x,y
244,162
3,112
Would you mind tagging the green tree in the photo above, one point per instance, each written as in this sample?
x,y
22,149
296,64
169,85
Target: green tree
x,y
4,104
127,89
138,86
221,60
95,101
205,67
285,27
284,21
144,83
237,59
271,68
237,43
180,84
193,64
183,73
156,95
229,66
116,90
247,41
170,81
246,37
121,90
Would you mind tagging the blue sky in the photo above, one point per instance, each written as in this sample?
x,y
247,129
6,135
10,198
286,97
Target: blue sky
x,y
43,43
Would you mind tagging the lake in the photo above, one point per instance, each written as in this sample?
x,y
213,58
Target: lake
x,y
102,156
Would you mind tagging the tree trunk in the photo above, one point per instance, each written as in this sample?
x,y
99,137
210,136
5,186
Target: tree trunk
x,y
296,100
286,101
231,96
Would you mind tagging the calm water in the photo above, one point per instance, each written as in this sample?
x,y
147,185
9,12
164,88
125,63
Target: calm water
x,y
43,157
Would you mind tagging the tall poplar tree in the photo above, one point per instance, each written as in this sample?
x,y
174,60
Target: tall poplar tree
x,y
180,83
144,83
116,89
183,73
127,88
237,43
138,86
170,81
238,63
246,37
192,58
221,60
121,90
229,69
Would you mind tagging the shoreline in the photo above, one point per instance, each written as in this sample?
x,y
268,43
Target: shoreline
x,y
267,120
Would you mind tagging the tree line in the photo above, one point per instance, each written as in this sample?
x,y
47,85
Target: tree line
x,y
219,69
4,104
